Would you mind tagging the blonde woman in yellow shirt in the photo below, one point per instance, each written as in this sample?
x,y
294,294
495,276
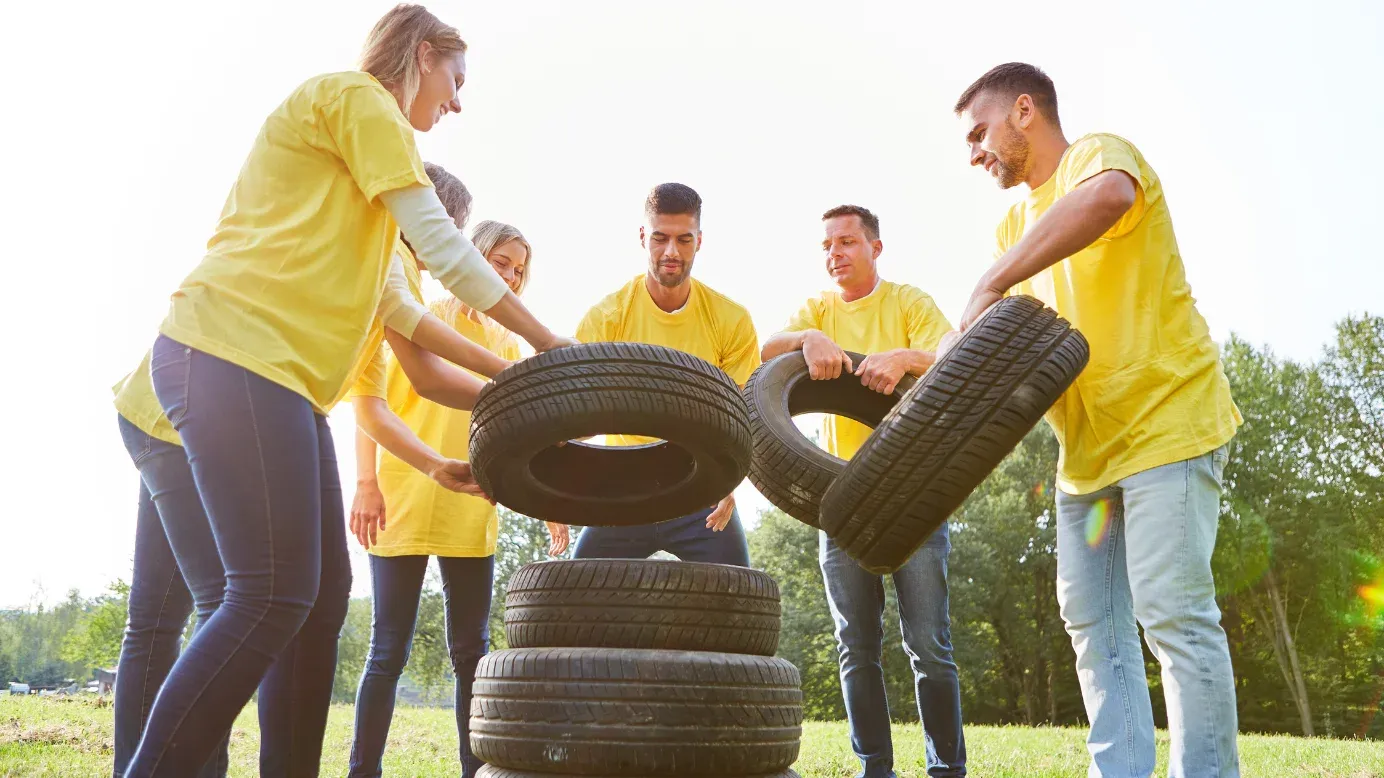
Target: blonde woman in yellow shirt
x,y
1144,430
176,565
263,335
402,517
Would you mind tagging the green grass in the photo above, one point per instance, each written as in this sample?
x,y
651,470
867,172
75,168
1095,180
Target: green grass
x,y
55,737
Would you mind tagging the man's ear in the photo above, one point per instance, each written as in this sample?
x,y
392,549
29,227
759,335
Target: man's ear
x,y
1024,111
877,247
641,238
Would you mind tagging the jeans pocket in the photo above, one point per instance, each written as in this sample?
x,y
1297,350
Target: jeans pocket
x,y
137,441
170,368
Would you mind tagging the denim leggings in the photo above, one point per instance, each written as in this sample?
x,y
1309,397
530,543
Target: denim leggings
x,y
175,567
265,468
397,583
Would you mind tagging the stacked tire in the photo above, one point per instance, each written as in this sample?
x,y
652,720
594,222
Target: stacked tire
x,y
647,668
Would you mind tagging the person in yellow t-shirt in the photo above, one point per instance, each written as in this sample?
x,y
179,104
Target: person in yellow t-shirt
x,y
897,327
176,565
665,306
1144,431
262,336
402,516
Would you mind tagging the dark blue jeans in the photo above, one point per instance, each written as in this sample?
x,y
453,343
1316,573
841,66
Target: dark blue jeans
x,y
162,594
397,583
686,538
265,468
856,599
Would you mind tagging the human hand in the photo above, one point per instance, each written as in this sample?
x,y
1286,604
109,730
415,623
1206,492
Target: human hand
x,y
825,359
720,517
367,512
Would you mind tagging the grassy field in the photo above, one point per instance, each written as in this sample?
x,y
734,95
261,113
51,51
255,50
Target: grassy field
x,y
53,737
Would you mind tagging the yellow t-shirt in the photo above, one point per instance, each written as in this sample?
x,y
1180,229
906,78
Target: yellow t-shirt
x,y
421,517
136,401
295,269
1154,391
370,372
710,326
892,316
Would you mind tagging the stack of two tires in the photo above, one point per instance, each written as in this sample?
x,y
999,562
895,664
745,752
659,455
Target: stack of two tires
x,y
638,668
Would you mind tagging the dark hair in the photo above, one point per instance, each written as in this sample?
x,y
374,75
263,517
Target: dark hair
x,y
673,200
455,197
1011,80
867,219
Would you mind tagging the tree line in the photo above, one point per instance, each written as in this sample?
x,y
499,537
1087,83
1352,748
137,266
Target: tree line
x,y
1299,567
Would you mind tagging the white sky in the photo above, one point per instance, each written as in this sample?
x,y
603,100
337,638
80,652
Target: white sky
x,y
125,124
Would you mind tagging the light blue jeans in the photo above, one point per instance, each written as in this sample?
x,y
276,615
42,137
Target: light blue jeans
x,y
1140,551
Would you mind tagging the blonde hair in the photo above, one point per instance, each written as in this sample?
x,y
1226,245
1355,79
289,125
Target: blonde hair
x,y
488,236
391,50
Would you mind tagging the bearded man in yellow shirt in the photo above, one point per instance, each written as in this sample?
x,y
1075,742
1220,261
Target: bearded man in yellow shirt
x,y
898,327
665,306
1143,431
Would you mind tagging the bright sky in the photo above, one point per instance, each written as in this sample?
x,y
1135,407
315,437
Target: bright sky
x,y
127,122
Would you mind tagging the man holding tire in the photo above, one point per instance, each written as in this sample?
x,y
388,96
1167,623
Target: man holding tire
x,y
665,306
1143,430
898,327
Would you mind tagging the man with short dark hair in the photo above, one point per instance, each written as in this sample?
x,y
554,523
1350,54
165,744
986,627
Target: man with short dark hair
x,y
898,327
1144,429
665,306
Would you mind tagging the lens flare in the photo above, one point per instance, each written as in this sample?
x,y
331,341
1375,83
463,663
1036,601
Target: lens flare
x,y
1098,522
1369,611
1041,490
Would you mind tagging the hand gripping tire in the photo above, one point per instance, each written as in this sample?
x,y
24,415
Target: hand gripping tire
x,y
787,468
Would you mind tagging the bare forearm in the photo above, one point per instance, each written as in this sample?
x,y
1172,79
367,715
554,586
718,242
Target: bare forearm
x,y
1073,223
783,343
375,418
435,336
433,378
513,316
365,450
919,361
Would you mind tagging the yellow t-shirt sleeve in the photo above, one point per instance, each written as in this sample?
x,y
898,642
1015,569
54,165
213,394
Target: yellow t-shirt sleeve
x,y
375,141
926,323
742,356
808,317
373,380
1094,155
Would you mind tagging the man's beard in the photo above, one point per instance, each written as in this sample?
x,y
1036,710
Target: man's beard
x,y
672,281
1011,158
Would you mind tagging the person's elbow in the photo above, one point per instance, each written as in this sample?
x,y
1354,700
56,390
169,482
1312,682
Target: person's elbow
x,y
430,386
369,410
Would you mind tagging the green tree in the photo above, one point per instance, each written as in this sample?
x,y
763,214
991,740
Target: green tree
x,y
352,649
521,541
94,641
786,549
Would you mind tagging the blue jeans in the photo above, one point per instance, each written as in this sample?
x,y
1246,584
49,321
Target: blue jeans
x,y
265,468
1140,551
686,538
162,594
397,583
856,599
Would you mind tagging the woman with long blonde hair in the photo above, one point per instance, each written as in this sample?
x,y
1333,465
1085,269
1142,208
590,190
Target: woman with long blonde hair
x,y
263,337
402,518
